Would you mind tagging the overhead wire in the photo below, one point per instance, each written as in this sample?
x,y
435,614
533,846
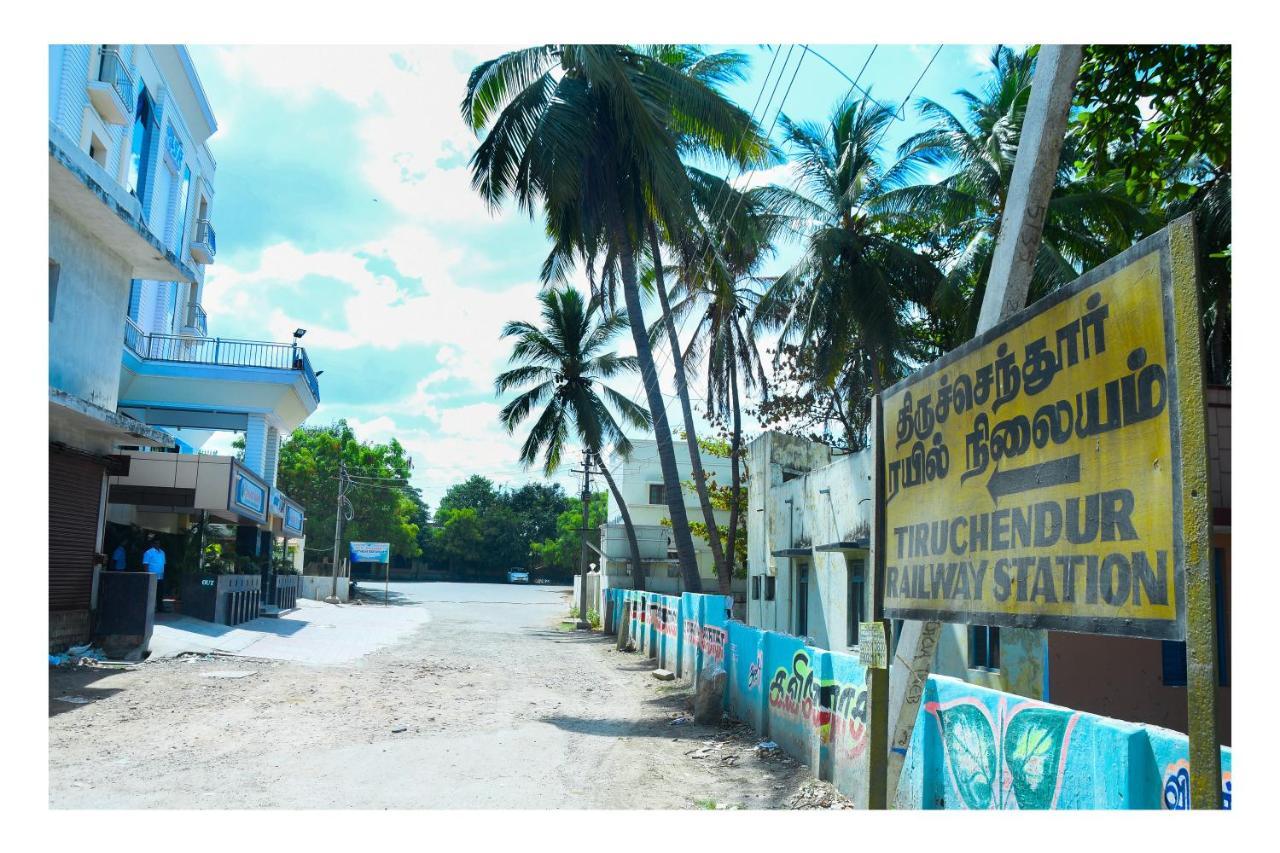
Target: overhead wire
x,y
723,192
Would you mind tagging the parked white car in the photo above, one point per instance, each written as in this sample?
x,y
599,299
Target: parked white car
x,y
517,576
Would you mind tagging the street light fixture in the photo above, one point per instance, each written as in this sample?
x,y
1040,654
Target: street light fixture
x,y
298,333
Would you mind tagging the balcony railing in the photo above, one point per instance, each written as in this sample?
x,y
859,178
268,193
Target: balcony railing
x,y
205,245
219,351
115,73
196,319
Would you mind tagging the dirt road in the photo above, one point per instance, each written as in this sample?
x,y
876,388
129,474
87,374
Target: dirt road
x,y
488,705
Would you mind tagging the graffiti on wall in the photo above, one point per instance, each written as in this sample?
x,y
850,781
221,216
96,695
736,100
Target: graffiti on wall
x,y
755,670
838,711
1014,760
1177,787
666,620
708,639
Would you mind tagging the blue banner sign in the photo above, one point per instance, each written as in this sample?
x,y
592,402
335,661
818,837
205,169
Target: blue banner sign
x,y
370,552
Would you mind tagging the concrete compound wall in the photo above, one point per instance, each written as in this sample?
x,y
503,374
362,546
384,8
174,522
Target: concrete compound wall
x,y
319,587
973,747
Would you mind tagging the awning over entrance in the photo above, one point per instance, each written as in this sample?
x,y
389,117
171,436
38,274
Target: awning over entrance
x,y
844,547
185,483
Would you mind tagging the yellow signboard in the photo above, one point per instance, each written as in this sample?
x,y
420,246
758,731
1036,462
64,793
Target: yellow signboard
x,y
1034,477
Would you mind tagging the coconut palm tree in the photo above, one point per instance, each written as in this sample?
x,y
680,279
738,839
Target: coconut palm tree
x,y
591,137
848,295
713,70
1086,223
566,363
716,281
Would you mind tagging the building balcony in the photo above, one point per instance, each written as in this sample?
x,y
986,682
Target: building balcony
x,y
205,244
111,92
182,382
196,322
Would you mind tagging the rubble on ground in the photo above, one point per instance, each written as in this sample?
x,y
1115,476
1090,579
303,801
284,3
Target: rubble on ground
x,y
815,794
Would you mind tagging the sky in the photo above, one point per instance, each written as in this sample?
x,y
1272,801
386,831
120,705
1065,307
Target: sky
x,y
343,206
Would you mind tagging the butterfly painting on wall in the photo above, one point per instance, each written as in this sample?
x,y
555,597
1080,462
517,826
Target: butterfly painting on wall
x,y
1014,760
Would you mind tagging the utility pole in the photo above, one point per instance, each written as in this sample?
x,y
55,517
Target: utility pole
x,y
337,528
1018,244
586,520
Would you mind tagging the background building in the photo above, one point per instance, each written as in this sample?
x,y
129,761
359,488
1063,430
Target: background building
x,y
639,480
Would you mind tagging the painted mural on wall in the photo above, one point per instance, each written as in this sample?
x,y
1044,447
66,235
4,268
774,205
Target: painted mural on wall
x,y
985,749
837,710
1176,795
1015,759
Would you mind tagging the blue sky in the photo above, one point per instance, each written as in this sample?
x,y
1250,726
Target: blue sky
x,y
343,206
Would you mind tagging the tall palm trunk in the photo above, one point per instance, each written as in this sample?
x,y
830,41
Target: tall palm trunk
x,y
637,568
735,487
661,428
682,388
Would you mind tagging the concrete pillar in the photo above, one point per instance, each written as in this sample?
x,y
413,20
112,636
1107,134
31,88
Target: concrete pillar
x,y
272,460
255,444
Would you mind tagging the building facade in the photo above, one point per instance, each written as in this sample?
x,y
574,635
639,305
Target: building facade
x,y
639,480
136,384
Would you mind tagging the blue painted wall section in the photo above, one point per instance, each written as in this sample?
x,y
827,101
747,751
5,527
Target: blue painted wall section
x,y
973,747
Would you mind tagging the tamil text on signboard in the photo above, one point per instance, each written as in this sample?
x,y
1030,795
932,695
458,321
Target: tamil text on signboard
x,y
1033,477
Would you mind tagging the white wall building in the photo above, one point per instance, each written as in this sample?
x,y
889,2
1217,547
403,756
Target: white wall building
x,y
639,479
131,366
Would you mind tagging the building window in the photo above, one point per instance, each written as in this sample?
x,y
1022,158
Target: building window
x,y
55,269
802,600
97,150
140,147
180,227
770,587
857,579
984,647
755,587
1173,653
657,493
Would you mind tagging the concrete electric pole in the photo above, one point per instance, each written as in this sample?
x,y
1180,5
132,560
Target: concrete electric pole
x,y
1018,244
337,529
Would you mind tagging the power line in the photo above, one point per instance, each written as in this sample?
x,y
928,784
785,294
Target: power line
x,y
729,186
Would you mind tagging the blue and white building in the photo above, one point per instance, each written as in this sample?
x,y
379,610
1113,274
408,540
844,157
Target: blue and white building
x,y
136,383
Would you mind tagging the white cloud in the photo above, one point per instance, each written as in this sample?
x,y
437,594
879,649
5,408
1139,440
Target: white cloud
x,y
979,55
410,120
380,312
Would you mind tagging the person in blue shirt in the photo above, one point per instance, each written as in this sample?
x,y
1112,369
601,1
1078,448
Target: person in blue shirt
x,y
153,561
118,558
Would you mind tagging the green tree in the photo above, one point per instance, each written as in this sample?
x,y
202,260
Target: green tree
x,y
592,135
561,552
475,492
386,508
1156,119
1086,222
847,297
566,363
460,538
717,281
714,71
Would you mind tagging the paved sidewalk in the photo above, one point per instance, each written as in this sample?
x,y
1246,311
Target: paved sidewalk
x,y
315,633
